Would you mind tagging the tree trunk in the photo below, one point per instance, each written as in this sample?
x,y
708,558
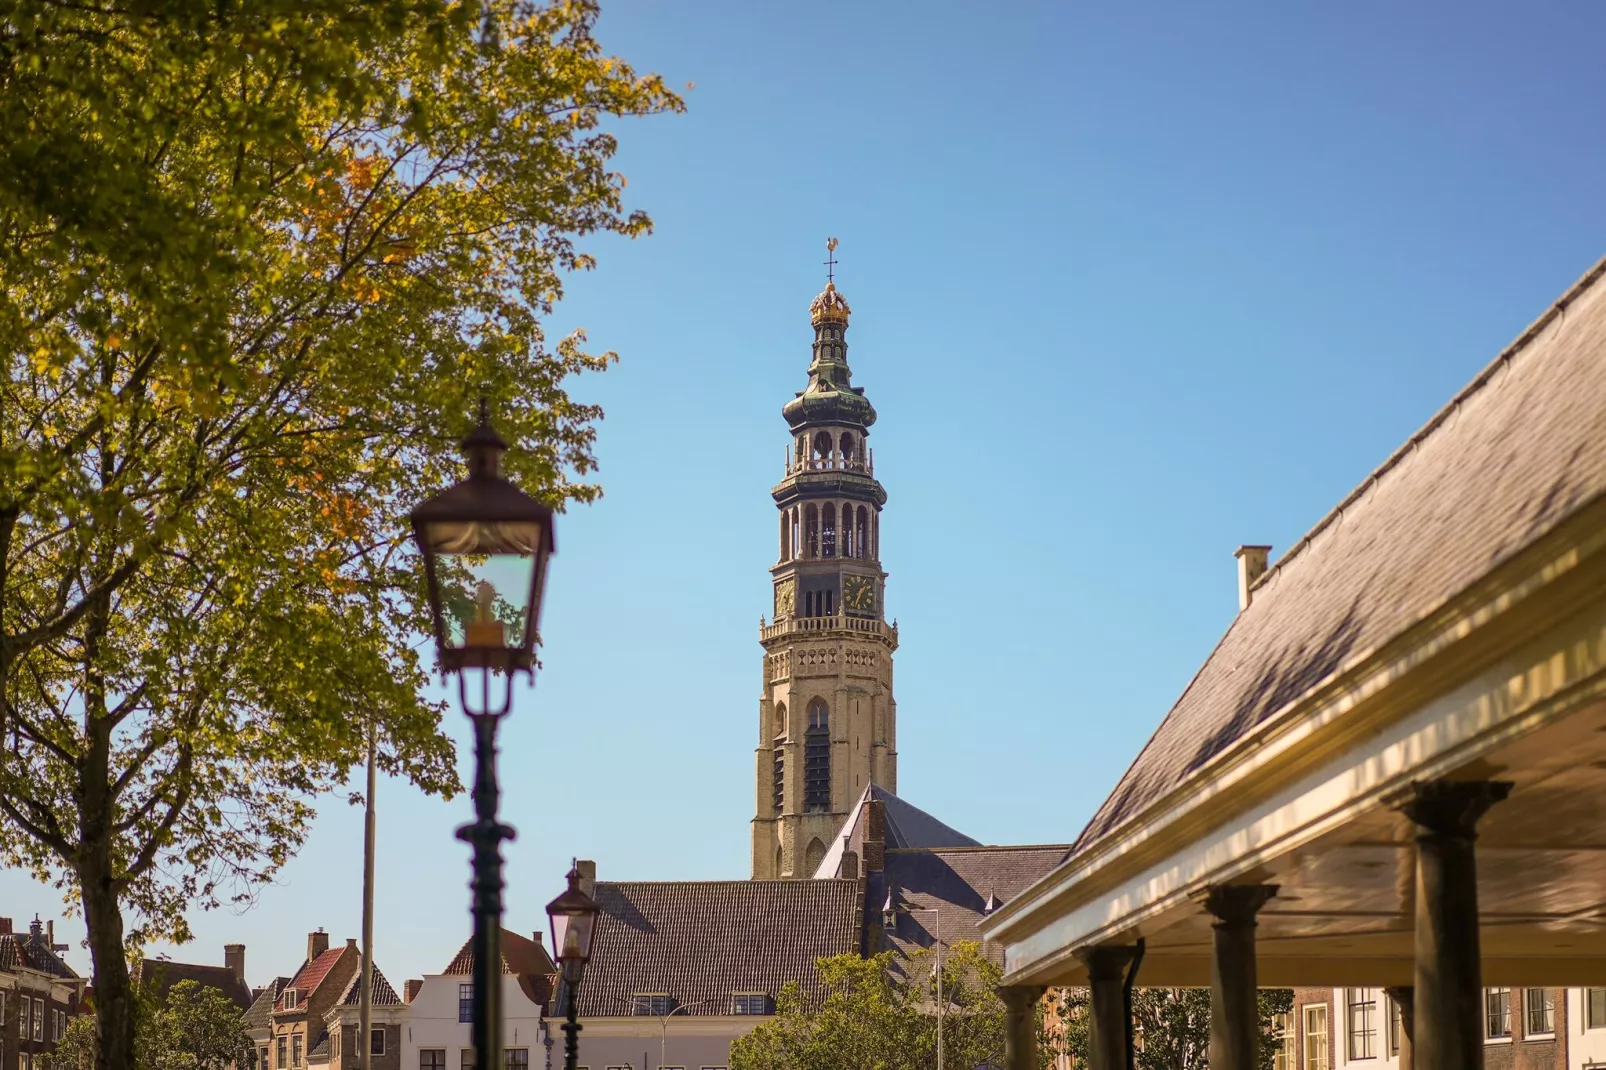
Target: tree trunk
x,y
114,991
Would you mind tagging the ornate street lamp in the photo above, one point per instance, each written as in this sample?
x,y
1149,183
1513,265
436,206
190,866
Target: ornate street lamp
x,y
574,923
485,545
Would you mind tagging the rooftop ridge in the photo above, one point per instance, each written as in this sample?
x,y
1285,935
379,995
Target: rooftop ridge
x,y
744,883
1438,419
976,849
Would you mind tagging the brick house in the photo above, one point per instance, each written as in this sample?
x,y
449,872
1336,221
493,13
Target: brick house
x,y
298,1012
337,1047
39,994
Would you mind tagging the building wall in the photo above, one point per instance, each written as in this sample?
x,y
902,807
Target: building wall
x,y
1304,1054
1585,1047
430,1022
1525,1049
690,1042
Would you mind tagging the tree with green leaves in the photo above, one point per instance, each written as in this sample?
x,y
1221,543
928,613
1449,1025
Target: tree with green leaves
x,y
882,1012
257,262
1172,1025
192,1027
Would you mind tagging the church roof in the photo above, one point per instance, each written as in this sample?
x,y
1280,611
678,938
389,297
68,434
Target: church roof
x,y
957,883
907,826
700,942
1518,451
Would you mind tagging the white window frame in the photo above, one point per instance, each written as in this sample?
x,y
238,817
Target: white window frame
x,y
1363,1000
1489,1036
507,1057
39,1021
1549,1006
431,1051
1279,1055
1309,1012
376,1033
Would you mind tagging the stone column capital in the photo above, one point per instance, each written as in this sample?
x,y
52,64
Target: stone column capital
x,y
1106,963
1236,904
1019,999
1450,808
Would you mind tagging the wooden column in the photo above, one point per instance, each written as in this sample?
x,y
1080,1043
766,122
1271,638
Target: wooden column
x,y
1234,1012
1448,1001
1020,1026
1106,979
1404,997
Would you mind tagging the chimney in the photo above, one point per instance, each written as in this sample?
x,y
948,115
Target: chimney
x,y
849,869
1251,566
588,876
535,938
875,835
317,944
5,926
411,989
234,959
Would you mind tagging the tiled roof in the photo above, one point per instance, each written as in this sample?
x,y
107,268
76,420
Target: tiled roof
x,y
259,1016
907,826
45,957
164,975
320,1047
1517,452
384,995
17,953
701,941
520,955
311,975
956,882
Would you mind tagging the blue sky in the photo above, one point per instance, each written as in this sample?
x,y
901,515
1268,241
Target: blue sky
x,y
1132,285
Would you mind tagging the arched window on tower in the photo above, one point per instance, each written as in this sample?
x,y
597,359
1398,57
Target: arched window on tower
x,y
850,548
861,542
822,450
828,530
786,537
811,531
813,857
847,447
817,759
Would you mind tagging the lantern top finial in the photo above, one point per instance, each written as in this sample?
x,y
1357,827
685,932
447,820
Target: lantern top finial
x,y
483,446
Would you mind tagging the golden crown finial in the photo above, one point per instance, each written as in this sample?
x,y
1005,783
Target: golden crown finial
x,y
830,305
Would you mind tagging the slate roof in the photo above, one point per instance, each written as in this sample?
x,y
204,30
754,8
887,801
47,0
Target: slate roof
x,y
1514,454
16,952
320,1047
259,1016
701,941
956,882
907,826
311,975
164,975
44,956
384,994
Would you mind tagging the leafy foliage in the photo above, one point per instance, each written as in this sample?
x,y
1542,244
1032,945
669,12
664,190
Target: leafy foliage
x,y
256,261
1172,1025
195,1028
881,1012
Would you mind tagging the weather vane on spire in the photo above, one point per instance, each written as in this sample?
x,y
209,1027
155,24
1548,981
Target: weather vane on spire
x,y
830,260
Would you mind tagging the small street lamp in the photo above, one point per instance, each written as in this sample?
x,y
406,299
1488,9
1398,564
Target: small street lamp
x,y
485,545
574,925
889,920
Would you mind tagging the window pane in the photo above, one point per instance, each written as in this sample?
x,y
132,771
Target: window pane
x,y
1497,1012
1595,1017
1361,1006
1316,1037
1541,1011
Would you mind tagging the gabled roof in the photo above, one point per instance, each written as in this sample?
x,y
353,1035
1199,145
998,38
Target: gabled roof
x,y
520,955
384,994
907,826
259,1015
311,975
956,882
701,941
164,974
45,956
1519,450
17,952
320,1047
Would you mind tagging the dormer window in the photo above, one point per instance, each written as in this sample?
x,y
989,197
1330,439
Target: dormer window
x,y
751,1003
292,999
655,1004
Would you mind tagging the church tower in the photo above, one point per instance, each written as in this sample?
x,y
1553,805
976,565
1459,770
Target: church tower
x,y
827,722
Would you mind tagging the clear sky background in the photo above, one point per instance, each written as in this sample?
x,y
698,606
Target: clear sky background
x,y
1132,285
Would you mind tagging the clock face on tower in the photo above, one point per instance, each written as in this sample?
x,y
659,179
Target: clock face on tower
x,y
858,594
785,598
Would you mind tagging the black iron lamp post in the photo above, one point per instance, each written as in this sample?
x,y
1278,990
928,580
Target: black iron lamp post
x,y
485,545
574,923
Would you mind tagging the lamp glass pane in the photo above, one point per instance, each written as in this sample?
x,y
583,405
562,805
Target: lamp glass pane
x,y
485,599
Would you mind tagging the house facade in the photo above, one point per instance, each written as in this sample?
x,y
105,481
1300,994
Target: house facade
x,y
437,1021
39,994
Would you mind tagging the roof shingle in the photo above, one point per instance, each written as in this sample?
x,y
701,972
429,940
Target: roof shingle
x,y
956,882
701,941
1513,455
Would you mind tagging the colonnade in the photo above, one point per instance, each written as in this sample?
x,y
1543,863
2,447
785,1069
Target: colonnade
x,y
1440,1014
829,529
